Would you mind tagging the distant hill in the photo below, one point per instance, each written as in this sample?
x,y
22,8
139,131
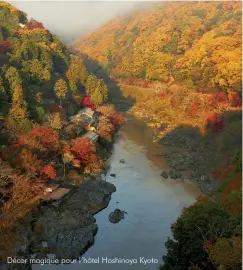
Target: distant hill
x,y
196,43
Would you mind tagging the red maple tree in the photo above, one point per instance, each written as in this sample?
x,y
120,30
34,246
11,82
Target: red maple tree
x,y
34,24
46,136
48,172
88,103
83,150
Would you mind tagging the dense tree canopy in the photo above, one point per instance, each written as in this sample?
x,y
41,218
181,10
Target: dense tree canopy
x,y
208,234
34,60
197,43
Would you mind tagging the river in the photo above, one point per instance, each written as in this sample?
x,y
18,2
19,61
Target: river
x,y
152,204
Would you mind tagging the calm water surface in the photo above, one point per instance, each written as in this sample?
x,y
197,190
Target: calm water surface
x,y
151,203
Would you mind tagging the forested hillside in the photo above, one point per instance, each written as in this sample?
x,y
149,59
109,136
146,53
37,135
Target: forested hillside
x,y
196,43
41,84
36,68
180,63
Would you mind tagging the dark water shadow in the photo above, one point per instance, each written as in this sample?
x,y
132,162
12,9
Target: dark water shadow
x,y
212,149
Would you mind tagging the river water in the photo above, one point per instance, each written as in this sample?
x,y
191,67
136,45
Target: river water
x,y
152,205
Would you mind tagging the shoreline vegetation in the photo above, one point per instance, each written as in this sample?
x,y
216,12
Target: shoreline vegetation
x,y
178,66
56,133
208,151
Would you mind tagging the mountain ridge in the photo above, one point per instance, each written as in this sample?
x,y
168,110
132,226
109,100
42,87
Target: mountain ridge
x,y
170,39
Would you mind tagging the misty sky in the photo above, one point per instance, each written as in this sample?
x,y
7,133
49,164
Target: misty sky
x,y
72,19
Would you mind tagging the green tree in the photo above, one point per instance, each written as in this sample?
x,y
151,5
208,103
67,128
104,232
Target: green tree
x,y
199,224
17,121
99,94
97,90
14,79
76,73
60,89
19,105
56,122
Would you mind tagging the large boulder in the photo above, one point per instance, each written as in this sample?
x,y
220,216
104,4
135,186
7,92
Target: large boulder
x,y
116,216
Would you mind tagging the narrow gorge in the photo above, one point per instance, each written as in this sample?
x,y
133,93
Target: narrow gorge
x,y
121,149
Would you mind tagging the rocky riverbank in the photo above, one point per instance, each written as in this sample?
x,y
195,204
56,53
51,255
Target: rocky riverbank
x,y
190,156
68,226
64,228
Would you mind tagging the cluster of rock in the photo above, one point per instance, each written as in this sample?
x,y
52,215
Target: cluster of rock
x,y
195,160
67,228
173,174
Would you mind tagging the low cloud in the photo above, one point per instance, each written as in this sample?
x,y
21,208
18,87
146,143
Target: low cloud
x,y
73,19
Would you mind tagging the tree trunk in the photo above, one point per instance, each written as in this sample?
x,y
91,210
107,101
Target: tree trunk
x,y
64,169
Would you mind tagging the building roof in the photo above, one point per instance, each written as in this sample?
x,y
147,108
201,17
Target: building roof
x,y
85,115
81,118
91,136
56,194
87,111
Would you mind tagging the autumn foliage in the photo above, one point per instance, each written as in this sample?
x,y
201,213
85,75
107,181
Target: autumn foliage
x,y
30,161
5,46
195,44
46,136
109,112
235,99
226,252
48,172
136,82
117,119
88,103
39,70
105,129
83,150
194,110
215,122
34,24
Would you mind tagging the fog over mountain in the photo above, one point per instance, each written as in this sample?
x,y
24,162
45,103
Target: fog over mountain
x,y
72,19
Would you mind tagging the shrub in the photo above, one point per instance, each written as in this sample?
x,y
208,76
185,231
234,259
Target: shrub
x,y
22,190
105,129
117,119
30,161
48,172
106,110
